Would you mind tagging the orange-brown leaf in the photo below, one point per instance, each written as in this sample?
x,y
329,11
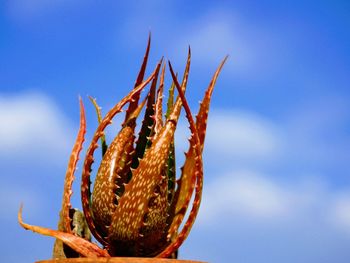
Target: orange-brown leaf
x,y
133,104
196,180
85,185
78,244
187,181
64,223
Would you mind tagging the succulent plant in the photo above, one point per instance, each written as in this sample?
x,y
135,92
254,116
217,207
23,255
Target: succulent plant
x,y
138,203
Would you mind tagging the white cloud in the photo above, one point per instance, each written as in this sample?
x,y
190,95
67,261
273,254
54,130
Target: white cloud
x,y
340,211
245,193
284,200
253,196
32,126
215,35
211,35
242,134
24,10
247,189
237,135
255,52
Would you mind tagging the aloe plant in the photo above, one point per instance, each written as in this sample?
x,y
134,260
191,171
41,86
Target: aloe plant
x,y
138,203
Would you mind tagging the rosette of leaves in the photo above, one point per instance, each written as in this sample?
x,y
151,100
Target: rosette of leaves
x,y
138,204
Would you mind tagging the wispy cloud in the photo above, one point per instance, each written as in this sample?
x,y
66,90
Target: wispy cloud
x,y
305,219
32,127
245,194
238,137
253,182
263,205
311,128
242,134
256,52
25,10
262,198
340,211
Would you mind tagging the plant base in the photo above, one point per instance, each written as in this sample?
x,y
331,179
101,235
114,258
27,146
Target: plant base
x,y
117,260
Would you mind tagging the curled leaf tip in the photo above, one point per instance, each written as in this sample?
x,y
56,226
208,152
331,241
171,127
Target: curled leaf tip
x,y
138,205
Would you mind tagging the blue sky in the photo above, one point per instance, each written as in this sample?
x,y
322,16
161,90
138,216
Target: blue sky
x,y
277,185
